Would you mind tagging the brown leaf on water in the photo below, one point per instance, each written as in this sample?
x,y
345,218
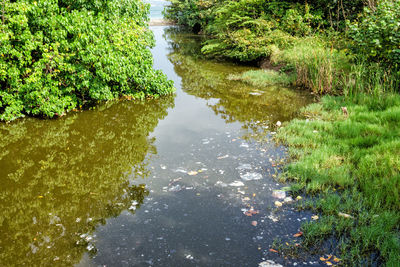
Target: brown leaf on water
x,y
298,234
254,223
322,259
329,263
336,259
273,250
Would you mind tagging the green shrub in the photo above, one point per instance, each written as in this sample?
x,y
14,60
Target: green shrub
x,y
58,55
376,36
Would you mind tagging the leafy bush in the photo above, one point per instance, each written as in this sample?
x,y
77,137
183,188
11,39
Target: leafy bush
x,y
191,13
57,55
376,36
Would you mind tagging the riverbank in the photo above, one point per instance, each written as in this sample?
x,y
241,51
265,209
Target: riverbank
x,y
346,160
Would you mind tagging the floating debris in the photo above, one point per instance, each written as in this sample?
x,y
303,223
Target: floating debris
x,y
175,188
244,166
269,263
254,223
192,173
345,215
315,217
251,212
182,170
273,218
220,183
237,183
251,176
278,203
189,257
223,157
288,200
245,145
280,194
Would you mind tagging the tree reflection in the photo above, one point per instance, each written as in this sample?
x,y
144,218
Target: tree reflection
x,y
62,178
232,100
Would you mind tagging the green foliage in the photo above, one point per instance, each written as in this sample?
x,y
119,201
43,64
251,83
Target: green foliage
x,y
57,55
191,13
244,30
376,36
351,164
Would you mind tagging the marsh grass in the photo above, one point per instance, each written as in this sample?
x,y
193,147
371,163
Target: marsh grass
x,y
350,164
263,78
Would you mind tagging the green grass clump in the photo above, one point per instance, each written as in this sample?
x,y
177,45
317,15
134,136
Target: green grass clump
x,y
263,78
350,164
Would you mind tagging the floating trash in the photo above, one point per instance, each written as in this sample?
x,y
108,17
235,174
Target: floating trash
x,y
237,183
273,218
175,188
245,145
163,167
189,257
288,199
251,176
90,247
244,166
280,194
269,263
220,183
182,170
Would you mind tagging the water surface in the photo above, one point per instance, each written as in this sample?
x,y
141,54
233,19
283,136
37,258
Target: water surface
x,y
166,182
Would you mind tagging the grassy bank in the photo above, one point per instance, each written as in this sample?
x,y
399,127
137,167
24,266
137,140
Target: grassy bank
x,y
349,165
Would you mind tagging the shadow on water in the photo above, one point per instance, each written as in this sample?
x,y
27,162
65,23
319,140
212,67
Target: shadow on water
x,y
62,178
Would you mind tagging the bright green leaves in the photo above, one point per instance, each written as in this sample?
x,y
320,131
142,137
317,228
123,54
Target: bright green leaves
x,y
377,34
57,55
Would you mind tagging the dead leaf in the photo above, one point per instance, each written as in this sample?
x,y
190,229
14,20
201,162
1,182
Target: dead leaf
x,y
315,217
336,259
254,223
345,215
278,203
322,259
298,234
328,263
192,173
273,250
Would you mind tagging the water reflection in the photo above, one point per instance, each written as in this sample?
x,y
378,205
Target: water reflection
x,y
62,178
232,100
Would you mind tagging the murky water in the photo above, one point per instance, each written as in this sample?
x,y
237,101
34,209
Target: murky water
x,y
184,180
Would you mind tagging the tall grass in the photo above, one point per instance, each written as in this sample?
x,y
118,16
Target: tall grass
x,y
327,70
350,163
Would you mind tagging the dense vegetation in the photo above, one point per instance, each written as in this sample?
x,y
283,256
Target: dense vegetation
x,y
314,39
347,160
58,55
